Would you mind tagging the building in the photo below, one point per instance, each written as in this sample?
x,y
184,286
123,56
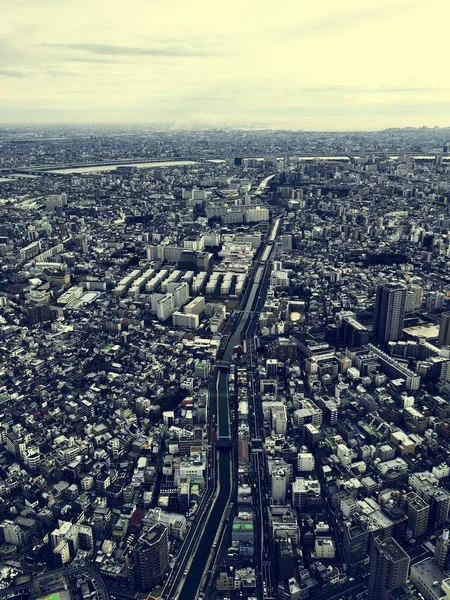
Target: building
x,y
389,566
271,367
430,580
395,369
285,559
242,530
279,420
279,484
436,301
61,554
324,548
186,320
195,306
441,549
353,333
389,313
355,543
417,510
151,558
31,250
55,201
439,508
305,461
312,435
181,294
202,369
413,297
444,330
286,242
305,492
285,350
165,307
13,534
257,213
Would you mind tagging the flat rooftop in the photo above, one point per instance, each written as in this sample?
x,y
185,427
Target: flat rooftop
x,y
428,331
429,572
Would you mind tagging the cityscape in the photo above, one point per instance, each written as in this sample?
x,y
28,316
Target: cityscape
x,y
225,363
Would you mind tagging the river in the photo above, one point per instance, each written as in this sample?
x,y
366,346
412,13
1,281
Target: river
x,y
140,165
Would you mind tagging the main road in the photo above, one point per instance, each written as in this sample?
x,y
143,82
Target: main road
x,y
219,414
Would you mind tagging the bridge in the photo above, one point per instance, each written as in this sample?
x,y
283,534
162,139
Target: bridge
x,y
223,364
223,443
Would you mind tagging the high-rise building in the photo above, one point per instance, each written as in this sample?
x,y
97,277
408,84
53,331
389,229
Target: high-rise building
x,y
183,494
439,500
417,510
151,558
286,242
271,367
165,307
389,566
355,549
435,301
305,461
285,350
441,548
279,484
279,420
444,330
389,312
186,320
413,298
285,559
181,294
353,333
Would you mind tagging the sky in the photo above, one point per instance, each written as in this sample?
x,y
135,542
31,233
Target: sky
x,y
296,64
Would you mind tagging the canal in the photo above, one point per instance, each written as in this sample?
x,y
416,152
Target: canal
x,y
204,549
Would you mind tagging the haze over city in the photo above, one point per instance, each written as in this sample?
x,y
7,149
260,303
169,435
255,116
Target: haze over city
x,y
315,66
224,300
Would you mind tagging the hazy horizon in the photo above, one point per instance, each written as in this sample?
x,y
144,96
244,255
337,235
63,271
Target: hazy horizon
x,y
255,65
196,128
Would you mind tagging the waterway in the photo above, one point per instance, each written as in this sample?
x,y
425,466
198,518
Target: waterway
x,y
220,400
105,167
197,567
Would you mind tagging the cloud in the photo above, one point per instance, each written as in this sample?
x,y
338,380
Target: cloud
x,y
167,50
87,59
13,74
347,20
406,89
317,64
